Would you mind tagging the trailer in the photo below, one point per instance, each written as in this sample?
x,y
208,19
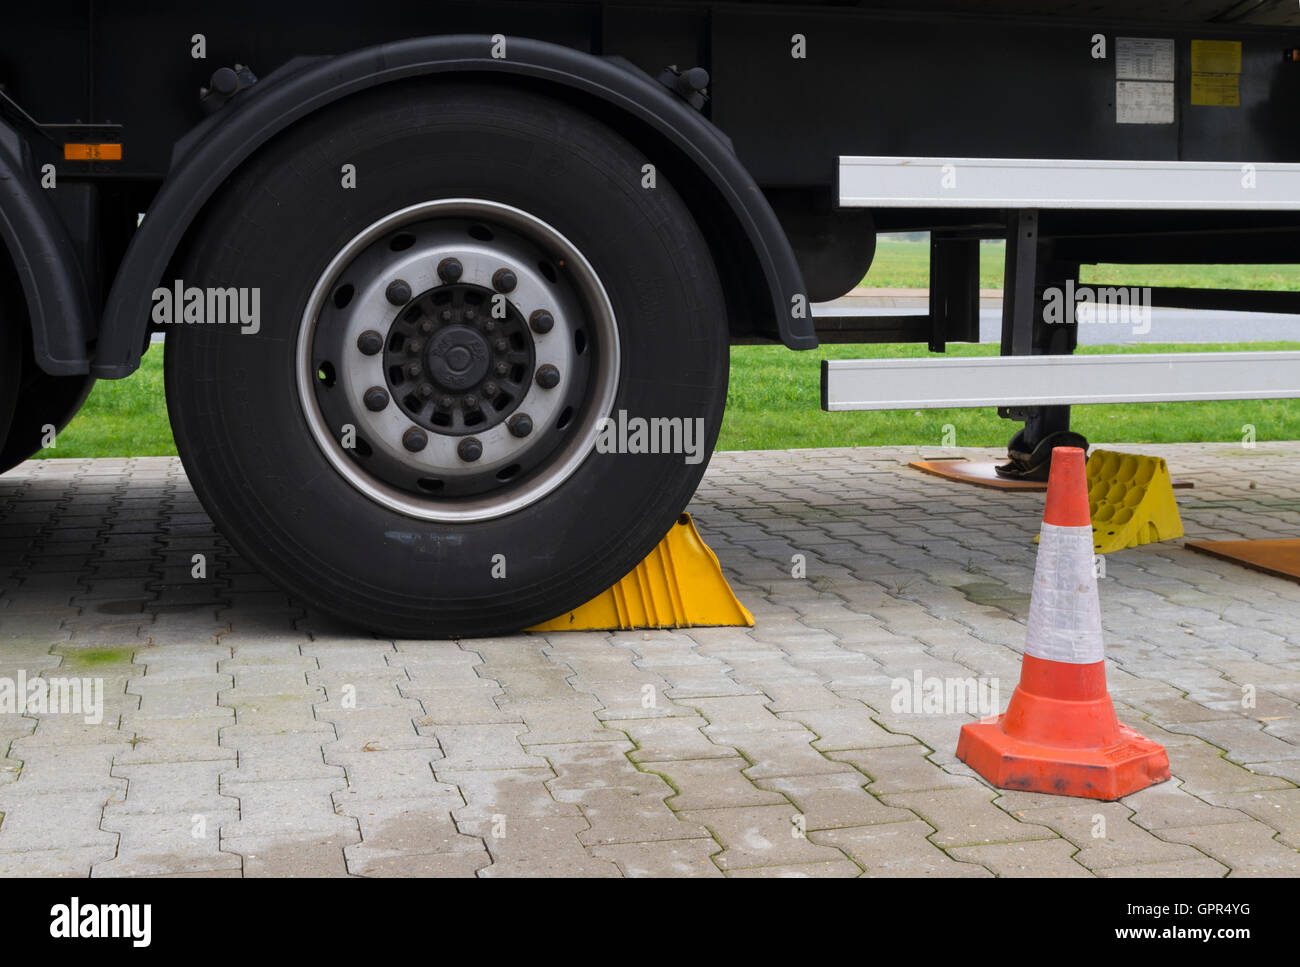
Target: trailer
x,y
448,289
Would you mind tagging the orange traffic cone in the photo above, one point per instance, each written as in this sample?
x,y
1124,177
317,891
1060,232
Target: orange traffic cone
x,y
1059,733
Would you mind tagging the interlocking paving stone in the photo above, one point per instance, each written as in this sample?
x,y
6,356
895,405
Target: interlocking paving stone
x,y
897,850
1039,858
1103,833
672,858
901,768
165,843
308,748
675,737
760,836
965,817
829,869
1178,869
1247,849
711,784
834,800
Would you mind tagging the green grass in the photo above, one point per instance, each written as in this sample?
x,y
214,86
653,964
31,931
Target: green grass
x,y
122,418
773,403
906,265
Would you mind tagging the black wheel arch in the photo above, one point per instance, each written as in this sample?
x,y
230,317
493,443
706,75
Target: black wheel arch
x,y
46,263
755,259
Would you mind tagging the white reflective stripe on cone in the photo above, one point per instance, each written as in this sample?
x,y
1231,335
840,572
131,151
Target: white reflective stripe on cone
x,y
1064,613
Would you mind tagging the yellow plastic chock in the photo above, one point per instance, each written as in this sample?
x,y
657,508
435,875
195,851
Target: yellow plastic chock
x,y
679,585
1132,501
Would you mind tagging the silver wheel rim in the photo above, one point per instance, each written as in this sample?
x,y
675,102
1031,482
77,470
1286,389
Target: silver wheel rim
x,y
355,297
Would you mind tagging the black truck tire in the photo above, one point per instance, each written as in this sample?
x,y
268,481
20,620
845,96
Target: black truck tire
x,y
403,528
31,400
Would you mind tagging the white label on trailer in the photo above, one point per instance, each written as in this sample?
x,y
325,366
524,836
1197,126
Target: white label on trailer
x,y
1144,102
1144,59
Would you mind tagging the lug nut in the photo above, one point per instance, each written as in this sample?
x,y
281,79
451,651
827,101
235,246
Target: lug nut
x,y
450,270
500,345
502,368
425,390
413,370
490,389
548,377
503,280
470,402
370,342
489,326
446,402
426,327
470,449
415,439
398,292
470,314
445,315
521,424
376,398
414,346
541,321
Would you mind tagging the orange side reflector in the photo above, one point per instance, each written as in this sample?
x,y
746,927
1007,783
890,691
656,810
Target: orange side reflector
x,y
92,152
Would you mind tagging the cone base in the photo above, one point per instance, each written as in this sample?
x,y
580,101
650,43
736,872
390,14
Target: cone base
x,y
1132,763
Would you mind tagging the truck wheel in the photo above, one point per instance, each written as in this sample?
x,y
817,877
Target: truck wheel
x,y
414,433
43,401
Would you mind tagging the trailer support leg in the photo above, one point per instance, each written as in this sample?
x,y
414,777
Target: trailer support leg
x,y
1025,332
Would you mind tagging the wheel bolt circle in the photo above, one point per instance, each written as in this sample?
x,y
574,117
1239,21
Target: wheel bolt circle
x,y
398,292
415,439
376,398
370,342
521,424
548,377
541,321
470,449
503,280
450,270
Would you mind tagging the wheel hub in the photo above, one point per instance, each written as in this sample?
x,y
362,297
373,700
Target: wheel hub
x,y
458,359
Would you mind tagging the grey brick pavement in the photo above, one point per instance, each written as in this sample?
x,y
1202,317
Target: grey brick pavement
x,y
243,735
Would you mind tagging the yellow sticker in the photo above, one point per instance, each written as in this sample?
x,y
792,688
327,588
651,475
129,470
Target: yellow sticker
x,y
1216,57
1216,90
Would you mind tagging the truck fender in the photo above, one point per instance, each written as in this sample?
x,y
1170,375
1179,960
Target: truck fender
x,y
46,263
208,155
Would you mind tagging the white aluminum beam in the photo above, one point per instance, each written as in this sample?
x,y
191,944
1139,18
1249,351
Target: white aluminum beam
x,y
936,383
903,182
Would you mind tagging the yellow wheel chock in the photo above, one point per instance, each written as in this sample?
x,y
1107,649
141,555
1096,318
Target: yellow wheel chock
x,y
679,585
1131,498
1132,501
